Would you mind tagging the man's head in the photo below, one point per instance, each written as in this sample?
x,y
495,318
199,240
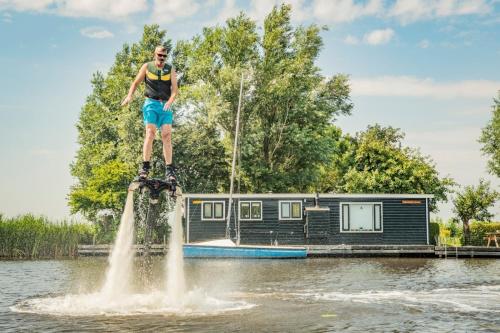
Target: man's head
x,y
160,54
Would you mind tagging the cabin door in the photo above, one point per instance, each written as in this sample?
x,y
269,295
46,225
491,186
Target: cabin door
x,y
317,227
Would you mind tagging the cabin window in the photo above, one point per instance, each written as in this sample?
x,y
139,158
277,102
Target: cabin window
x,y
361,217
250,210
213,210
290,210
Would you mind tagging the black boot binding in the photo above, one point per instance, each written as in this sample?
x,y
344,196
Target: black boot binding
x,y
144,170
155,186
170,173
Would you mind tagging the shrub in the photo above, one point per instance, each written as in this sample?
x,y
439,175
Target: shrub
x,y
433,232
445,233
479,229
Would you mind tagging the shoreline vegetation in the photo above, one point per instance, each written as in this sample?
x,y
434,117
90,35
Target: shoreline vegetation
x,y
451,232
36,237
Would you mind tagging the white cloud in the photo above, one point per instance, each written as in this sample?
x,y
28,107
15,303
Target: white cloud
x,y
345,10
424,43
408,86
96,32
408,11
169,11
104,9
25,5
259,9
352,40
377,37
7,17
107,9
336,11
228,10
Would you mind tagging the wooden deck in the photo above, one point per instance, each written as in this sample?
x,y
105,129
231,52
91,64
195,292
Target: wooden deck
x,y
369,250
104,250
343,251
467,251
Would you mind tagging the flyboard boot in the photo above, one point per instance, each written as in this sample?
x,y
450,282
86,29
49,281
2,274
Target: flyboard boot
x,y
144,171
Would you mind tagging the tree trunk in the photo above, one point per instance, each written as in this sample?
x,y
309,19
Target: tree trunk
x,y
466,232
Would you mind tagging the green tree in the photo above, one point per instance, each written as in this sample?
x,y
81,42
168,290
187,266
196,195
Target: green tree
x,y
490,138
374,161
473,203
288,105
200,153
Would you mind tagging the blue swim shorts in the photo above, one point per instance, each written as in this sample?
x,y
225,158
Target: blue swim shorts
x,y
153,113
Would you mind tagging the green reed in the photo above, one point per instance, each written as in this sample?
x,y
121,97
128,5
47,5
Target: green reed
x,y
33,237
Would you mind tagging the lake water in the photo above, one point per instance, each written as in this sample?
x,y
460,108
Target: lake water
x,y
312,295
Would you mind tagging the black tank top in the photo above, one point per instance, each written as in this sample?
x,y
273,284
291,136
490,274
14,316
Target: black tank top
x,y
158,83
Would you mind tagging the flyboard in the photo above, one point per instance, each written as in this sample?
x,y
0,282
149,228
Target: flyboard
x,y
153,188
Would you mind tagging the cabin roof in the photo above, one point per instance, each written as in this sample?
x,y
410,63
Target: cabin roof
x,y
309,195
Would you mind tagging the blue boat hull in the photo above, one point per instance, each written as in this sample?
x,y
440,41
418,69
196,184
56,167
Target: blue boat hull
x,y
207,251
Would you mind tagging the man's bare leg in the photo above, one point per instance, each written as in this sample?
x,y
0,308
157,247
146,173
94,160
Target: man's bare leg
x,y
147,149
166,137
149,137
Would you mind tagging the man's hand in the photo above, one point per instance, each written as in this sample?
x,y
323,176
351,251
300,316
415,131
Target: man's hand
x,y
126,100
167,106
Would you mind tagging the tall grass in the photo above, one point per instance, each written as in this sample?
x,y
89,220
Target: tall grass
x,y
31,237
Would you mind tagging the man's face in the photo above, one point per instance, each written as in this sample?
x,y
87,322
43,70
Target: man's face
x,y
161,56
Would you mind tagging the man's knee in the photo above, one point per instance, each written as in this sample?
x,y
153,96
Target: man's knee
x,y
150,134
166,136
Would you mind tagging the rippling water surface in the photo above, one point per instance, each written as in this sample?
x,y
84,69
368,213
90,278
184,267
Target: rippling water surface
x,y
313,295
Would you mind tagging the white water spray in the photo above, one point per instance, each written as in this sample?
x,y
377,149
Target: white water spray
x,y
122,256
176,285
116,298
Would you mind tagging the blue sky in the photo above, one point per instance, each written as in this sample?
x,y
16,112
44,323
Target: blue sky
x,y
429,67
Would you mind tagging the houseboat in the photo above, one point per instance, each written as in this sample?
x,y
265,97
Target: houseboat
x,y
302,219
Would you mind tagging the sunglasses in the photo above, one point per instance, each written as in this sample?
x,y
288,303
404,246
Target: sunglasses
x,y
161,55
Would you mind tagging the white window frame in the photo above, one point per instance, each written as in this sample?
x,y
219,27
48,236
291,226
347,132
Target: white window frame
x,y
250,202
213,202
290,218
373,231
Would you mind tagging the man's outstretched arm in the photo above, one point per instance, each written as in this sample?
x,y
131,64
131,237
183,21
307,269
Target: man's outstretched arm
x,y
138,79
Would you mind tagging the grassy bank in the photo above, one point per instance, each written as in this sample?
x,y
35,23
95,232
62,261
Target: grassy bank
x,y
32,237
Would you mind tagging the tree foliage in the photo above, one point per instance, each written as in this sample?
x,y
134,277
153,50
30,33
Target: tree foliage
x,y
374,161
490,138
288,105
474,202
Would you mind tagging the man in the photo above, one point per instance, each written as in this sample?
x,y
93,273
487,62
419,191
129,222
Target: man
x,y
161,89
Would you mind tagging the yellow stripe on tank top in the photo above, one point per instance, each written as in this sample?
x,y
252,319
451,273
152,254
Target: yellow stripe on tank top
x,y
151,76
154,76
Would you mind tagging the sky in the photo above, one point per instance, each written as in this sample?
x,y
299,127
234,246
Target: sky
x,y
428,67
